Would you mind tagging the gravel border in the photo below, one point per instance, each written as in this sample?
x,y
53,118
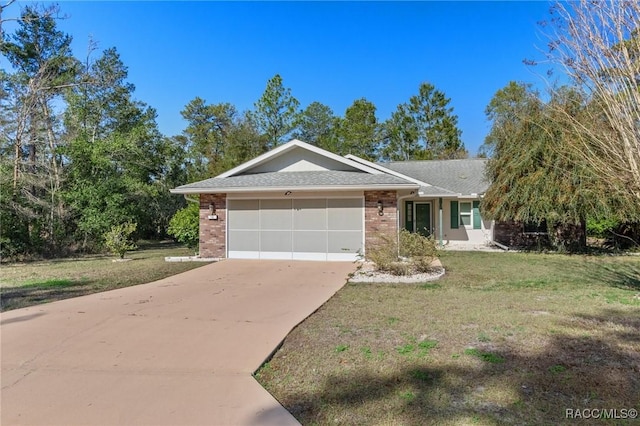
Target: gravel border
x,y
366,273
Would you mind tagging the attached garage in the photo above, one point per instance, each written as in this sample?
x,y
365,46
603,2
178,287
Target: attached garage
x,y
299,229
296,202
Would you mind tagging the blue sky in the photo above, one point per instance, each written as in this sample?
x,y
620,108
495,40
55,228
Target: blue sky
x,y
331,52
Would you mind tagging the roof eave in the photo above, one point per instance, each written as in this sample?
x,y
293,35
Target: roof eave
x,y
315,188
471,196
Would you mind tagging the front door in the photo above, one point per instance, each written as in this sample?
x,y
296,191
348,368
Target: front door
x,y
423,218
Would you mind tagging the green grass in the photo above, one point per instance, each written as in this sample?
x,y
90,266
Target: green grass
x,y
366,352
406,349
547,331
48,283
556,369
341,348
30,283
421,375
485,356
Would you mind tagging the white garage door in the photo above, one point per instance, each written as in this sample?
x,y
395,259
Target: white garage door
x,y
305,229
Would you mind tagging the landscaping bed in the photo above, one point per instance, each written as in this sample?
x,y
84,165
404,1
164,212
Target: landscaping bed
x,y
368,273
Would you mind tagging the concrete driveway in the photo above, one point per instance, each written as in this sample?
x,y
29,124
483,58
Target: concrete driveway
x,y
179,351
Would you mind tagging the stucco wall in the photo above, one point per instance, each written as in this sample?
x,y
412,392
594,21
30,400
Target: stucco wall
x,y
213,233
451,236
463,235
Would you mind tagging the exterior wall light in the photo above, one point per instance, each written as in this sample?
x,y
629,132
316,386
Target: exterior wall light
x,y
380,208
287,193
212,212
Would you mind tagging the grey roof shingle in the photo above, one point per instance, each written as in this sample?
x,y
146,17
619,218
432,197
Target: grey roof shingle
x,y
464,177
296,179
435,191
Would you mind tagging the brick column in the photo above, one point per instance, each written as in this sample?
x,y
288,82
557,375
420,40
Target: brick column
x,y
213,233
375,224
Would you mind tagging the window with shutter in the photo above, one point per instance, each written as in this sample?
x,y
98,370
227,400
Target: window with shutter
x,y
454,215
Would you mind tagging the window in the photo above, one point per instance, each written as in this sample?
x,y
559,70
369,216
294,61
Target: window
x,y
466,214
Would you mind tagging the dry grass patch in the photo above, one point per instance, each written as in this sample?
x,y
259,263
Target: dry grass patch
x,y
504,338
31,283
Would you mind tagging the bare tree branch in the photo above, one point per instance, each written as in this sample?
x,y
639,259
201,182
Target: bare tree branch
x,y
597,43
2,8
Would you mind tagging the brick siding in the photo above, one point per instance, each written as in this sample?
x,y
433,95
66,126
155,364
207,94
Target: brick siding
x,y
374,224
213,233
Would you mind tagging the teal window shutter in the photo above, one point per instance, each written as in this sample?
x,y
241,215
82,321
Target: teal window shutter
x,y
408,216
476,215
454,215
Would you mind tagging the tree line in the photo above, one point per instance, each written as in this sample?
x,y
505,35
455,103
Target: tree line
x,y
80,155
218,137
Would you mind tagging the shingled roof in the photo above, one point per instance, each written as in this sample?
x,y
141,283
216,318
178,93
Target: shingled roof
x,y
465,177
327,171
288,180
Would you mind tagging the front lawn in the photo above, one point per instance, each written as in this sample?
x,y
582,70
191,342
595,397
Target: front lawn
x,y
31,283
515,338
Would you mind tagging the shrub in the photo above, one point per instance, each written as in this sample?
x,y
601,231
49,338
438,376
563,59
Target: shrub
x,y
601,228
419,252
383,252
184,226
419,249
118,239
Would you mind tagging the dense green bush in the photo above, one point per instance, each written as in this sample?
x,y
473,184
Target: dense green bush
x,y
414,254
184,226
601,228
118,238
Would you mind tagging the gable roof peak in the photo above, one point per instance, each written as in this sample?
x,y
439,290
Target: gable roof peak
x,y
293,144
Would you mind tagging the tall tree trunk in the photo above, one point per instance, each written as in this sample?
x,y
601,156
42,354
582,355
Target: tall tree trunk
x,y
17,152
16,165
52,143
32,164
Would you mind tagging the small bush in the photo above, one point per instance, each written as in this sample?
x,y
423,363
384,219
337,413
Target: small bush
x,y
184,226
118,239
417,245
384,252
418,250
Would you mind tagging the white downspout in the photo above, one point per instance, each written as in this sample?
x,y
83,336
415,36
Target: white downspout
x,y
440,231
